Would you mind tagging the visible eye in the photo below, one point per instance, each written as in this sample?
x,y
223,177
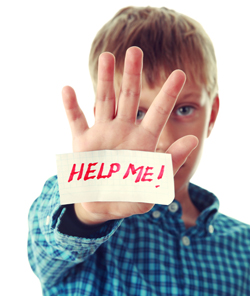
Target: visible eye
x,y
140,115
185,111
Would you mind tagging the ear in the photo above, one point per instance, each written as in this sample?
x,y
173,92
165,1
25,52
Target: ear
x,y
213,115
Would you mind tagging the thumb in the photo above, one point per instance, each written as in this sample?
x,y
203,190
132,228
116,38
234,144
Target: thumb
x,y
181,149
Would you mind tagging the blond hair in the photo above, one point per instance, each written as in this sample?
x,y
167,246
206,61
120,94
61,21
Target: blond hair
x,y
169,40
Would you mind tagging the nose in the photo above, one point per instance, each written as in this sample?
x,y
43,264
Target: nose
x,y
166,139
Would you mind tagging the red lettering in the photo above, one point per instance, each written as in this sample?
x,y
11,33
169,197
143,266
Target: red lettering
x,y
111,170
133,170
73,172
86,177
161,172
147,174
100,176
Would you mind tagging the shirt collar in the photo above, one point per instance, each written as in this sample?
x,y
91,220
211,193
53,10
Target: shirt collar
x,y
205,201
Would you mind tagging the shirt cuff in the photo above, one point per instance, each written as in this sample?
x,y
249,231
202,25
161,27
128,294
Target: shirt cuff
x,y
72,226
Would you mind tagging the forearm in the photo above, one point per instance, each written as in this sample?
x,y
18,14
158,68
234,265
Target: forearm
x,y
52,253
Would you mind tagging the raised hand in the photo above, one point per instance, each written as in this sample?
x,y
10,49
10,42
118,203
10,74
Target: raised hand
x,y
116,128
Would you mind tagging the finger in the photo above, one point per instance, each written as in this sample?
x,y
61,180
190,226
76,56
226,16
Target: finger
x,y
181,149
105,98
162,106
76,118
131,85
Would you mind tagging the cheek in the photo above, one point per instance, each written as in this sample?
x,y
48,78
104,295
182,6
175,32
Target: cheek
x,y
186,172
193,160
198,127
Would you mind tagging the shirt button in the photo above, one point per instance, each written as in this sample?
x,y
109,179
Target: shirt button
x,y
186,241
47,220
156,214
210,228
173,207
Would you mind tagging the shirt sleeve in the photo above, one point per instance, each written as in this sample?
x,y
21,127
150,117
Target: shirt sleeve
x,y
72,226
52,253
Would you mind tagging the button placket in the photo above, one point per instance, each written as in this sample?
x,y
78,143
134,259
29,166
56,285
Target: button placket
x,y
186,241
156,214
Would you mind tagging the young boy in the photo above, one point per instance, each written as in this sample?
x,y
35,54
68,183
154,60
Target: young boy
x,y
186,248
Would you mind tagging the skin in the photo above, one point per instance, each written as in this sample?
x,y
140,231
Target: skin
x,y
121,128
194,113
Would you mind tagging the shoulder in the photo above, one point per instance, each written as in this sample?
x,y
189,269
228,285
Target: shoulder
x,y
233,233
208,204
51,182
231,224
50,188
48,197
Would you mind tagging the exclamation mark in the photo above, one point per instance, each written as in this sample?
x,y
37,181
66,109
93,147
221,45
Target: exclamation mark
x,y
160,174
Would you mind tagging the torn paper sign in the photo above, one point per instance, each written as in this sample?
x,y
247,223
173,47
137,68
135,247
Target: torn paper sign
x,y
115,175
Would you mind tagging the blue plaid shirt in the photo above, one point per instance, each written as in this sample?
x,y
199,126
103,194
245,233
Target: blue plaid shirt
x,y
151,254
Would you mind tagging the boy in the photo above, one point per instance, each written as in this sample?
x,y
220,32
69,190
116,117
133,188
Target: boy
x,y
187,248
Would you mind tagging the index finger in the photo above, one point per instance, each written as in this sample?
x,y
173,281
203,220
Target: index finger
x,y
162,106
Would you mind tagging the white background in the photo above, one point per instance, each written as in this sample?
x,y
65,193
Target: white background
x,y
44,46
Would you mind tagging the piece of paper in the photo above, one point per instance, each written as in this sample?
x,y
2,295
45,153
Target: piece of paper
x,y
115,175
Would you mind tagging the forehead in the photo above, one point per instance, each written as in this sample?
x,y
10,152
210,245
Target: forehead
x,y
191,82
191,90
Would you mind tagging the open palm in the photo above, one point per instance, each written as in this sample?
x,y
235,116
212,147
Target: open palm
x,y
116,128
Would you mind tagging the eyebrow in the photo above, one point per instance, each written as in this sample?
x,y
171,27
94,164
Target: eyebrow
x,y
196,95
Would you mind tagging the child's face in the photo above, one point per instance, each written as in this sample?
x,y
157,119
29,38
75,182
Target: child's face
x,y
193,114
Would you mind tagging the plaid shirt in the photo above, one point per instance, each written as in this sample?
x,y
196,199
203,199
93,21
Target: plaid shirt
x,y
151,254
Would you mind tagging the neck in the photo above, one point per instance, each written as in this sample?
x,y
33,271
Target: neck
x,y
189,212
